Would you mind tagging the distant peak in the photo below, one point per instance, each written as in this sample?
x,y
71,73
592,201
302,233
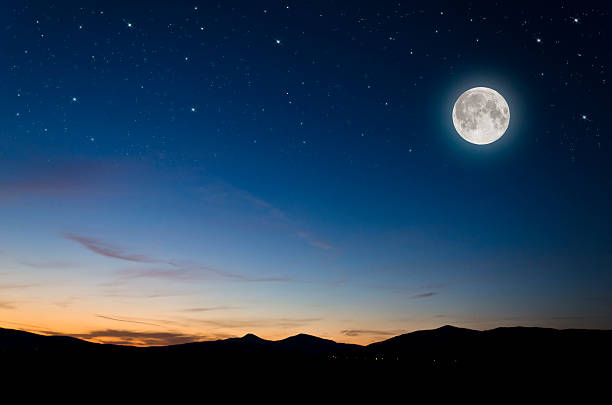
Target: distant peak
x,y
448,327
304,337
251,337
454,330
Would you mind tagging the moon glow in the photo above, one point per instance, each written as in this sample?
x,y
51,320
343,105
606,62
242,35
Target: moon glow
x,y
481,115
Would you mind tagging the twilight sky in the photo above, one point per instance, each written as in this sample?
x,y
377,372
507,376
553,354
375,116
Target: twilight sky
x,y
186,170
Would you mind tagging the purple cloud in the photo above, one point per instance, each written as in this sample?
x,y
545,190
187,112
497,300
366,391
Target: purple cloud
x,y
106,249
171,270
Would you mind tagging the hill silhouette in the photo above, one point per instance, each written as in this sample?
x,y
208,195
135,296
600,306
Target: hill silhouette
x,y
445,348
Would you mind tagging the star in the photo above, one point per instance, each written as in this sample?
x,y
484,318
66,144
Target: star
x,y
193,109
74,99
278,41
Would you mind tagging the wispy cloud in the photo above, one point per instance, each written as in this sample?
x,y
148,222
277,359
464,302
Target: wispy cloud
x,y
199,269
194,272
424,295
64,304
290,323
30,327
146,338
313,241
6,305
107,249
169,270
267,213
50,264
133,294
360,332
126,320
208,309
167,274
227,323
287,323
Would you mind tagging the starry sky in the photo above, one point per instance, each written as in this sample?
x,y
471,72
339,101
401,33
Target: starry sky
x,y
189,170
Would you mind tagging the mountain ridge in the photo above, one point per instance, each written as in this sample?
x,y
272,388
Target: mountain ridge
x,y
303,337
444,349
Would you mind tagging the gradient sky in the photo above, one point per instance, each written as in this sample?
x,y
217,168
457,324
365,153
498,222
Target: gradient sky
x,y
177,171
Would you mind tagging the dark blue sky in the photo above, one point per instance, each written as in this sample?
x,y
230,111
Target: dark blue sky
x,y
275,167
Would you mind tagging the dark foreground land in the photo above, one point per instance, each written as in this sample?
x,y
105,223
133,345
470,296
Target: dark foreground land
x,y
447,349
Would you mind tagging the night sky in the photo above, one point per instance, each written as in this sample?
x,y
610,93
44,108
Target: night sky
x,y
176,171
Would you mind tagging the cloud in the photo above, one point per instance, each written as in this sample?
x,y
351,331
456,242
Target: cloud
x,y
229,196
181,271
126,320
312,241
63,304
254,323
359,332
167,274
146,338
229,323
6,305
194,273
106,249
424,295
199,269
50,265
208,309
132,294
29,327
295,322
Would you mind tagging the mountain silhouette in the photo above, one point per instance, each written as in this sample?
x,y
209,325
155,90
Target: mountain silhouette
x,y
444,348
249,337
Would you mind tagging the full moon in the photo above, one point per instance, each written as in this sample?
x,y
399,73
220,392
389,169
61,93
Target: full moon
x,y
481,115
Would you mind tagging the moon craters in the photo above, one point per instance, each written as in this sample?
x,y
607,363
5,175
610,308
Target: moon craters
x,y
481,115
